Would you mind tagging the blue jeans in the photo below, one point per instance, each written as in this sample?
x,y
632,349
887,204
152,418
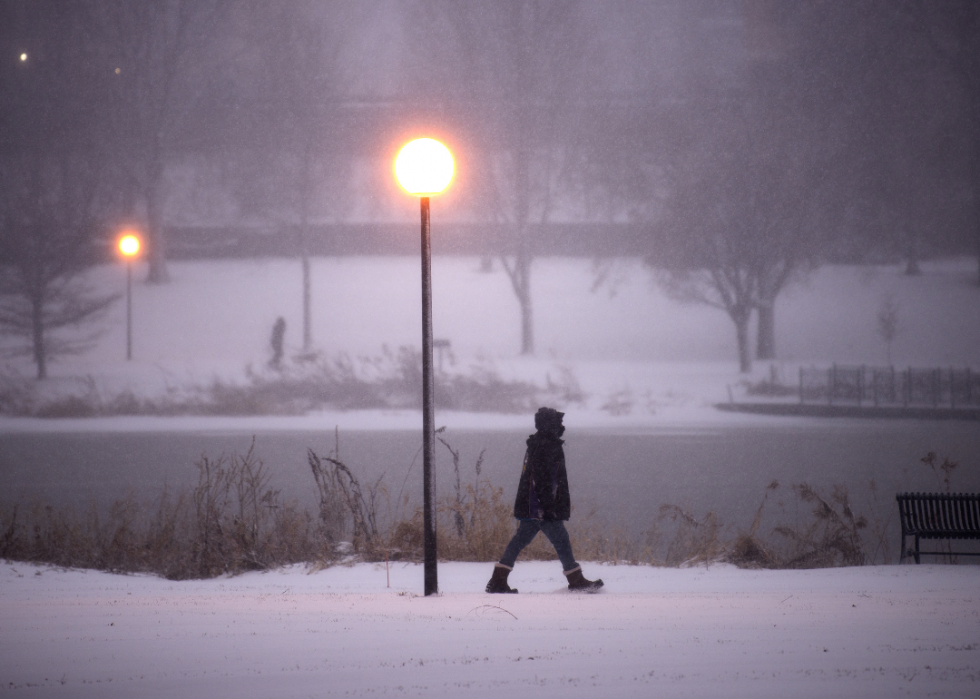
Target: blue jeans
x,y
528,529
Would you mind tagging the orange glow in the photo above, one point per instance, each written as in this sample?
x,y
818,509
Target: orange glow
x,y
424,167
129,245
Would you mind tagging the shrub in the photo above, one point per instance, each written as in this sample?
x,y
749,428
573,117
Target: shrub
x,y
342,502
232,521
392,379
831,538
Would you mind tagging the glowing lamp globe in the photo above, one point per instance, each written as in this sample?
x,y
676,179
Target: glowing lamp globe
x,y
129,245
424,167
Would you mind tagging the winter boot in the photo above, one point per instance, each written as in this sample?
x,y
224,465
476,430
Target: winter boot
x,y
498,582
578,582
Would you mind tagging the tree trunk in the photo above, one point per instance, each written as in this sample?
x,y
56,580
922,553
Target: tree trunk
x,y
742,333
527,325
522,263
37,333
157,269
521,282
765,346
518,267
305,193
307,303
519,272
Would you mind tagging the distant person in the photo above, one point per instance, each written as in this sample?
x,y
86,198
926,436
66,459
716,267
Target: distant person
x,y
278,335
543,504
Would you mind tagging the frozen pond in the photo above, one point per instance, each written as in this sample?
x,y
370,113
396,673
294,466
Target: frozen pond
x,y
625,476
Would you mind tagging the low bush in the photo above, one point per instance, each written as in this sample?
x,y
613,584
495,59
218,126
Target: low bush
x,y
831,536
392,379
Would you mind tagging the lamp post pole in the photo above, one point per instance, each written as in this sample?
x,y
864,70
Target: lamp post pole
x,y
424,167
129,247
428,413
129,309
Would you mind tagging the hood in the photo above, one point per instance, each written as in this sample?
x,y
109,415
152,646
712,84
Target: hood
x,y
549,420
548,423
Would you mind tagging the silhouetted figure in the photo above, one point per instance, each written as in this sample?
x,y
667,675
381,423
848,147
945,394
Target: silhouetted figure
x,y
543,504
278,334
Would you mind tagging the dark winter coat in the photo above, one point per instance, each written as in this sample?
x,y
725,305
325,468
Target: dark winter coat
x,y
543,489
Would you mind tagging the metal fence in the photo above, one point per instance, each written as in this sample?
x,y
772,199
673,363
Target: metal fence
x,y
887,386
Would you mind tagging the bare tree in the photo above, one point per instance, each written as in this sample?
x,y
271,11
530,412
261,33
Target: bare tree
x,y
158,52
711,224
733,226
793,157
756,171
888,324
513,71
297,163
52,161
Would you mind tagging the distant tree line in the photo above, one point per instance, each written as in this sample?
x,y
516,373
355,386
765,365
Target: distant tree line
x,y
743,144
838,131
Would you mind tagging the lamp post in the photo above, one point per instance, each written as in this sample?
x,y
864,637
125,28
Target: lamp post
x,y
129,247
424,167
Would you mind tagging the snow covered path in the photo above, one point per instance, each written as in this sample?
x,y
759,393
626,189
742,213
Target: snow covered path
x,y
718,632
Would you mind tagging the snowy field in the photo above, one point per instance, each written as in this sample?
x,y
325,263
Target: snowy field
x,y
717,632
625,343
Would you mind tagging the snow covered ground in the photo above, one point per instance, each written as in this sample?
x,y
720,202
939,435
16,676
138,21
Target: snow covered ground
x,y
716,632
641,358
869,632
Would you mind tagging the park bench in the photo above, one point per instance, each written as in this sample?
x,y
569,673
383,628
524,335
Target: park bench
x,y
938,516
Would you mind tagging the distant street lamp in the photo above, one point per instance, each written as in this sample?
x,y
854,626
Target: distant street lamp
x,y
129,247
424,167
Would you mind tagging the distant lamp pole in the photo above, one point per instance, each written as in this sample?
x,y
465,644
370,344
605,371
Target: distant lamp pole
x,y
129,247
424,167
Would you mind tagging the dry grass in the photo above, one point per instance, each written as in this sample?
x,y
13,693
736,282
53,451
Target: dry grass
x,y
831,536
234,520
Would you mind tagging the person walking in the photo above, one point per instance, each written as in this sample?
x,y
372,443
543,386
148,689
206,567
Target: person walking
x,y
278,335
543,504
